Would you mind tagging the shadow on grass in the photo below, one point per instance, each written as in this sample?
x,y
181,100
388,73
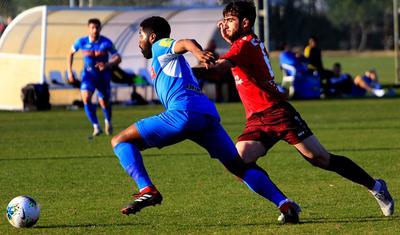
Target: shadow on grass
x,y
343,220
98,157
309,221
366,149
89,225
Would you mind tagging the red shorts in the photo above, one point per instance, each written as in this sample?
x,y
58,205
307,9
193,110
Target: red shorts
x,y
279,122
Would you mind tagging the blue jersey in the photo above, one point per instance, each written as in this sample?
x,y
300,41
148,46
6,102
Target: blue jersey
x,y
288,57
174,82
94,52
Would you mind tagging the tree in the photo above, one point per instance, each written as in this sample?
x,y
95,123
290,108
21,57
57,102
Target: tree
x,y
362,16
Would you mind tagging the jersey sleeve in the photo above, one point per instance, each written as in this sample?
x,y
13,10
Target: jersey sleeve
x,y
77,45
111,48
235,55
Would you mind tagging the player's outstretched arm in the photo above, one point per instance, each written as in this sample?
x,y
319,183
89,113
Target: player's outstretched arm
x,y
213,72
184,45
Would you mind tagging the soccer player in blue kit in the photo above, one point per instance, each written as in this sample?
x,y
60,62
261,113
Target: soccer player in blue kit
x,y
189,115
96,73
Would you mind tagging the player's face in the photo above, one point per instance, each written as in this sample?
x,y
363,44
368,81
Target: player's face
x,y
144,44
232,27
94,31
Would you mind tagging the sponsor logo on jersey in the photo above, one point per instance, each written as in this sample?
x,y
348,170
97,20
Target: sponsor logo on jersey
x,y
300,134
238,81
166,42
91,53
193,88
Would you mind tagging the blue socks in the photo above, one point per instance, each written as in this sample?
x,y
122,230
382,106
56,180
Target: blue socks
x,y
260,183
131,160
107,113
90,110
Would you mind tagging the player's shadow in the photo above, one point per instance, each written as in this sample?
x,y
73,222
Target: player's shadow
x,y
94,157
313,220
343,220
89,225
363,149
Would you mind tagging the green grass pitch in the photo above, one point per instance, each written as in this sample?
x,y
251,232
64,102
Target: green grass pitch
x,y
81,187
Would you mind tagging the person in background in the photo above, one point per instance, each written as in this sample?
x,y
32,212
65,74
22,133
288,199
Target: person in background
x,y
96,74
368,83
313,54
339,83
4,24
288,57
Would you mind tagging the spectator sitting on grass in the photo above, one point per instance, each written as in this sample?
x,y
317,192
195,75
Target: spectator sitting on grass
x,y
368,83
339,83
343,84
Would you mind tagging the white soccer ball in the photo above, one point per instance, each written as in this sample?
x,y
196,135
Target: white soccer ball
x,y
23,212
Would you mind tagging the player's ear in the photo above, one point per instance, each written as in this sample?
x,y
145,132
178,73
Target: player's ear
x,y
245,23
152,38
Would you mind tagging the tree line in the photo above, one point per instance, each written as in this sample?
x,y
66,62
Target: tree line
x,y
339,24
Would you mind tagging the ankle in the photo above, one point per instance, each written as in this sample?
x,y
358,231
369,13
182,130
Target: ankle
x,y
377,187
147,189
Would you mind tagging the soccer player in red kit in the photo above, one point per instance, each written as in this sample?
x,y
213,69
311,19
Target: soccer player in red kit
x,y
270,117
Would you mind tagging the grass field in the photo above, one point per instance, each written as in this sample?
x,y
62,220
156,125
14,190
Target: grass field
x,y
81,187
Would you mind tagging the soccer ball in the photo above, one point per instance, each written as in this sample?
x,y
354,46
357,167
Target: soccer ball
x,y
23,212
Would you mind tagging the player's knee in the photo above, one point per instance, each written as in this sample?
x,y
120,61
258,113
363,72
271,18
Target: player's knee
x,y
318,160
115,140
250,151
237,167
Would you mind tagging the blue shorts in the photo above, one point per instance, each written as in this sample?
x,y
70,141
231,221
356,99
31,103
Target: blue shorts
x,y
93,79
174,126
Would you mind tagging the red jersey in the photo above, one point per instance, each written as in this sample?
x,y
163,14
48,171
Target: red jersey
x,y
253,74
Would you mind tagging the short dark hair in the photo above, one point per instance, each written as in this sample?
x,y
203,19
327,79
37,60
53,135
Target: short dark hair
x,y
337,64
157,25
242,9
94,21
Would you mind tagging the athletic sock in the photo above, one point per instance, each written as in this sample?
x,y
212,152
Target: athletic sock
x,y
90,110
350,170
260,183
131,160
148,189
96,127
377,187
107,113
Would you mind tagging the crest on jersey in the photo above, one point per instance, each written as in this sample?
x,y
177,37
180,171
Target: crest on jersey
x,y
166,42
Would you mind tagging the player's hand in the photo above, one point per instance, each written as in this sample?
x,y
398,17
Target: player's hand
x,y
205,57
71,78
222,28
73,81
100,66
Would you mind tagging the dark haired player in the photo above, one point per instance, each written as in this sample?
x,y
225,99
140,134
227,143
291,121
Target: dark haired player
x,y
189,114
96,73
270,117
